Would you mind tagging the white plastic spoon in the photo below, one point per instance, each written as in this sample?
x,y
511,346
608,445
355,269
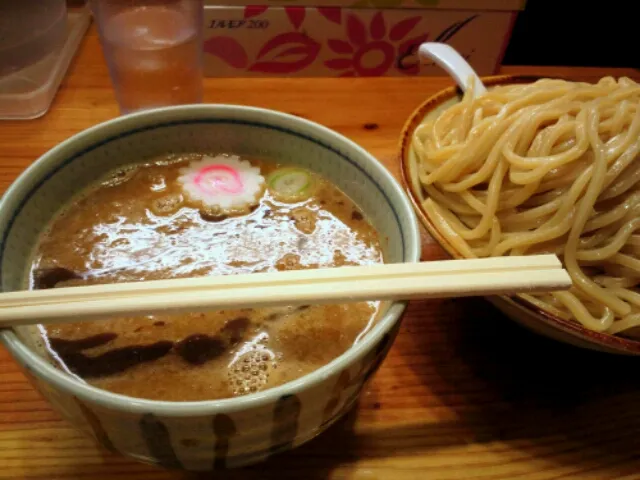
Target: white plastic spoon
x,y
450,60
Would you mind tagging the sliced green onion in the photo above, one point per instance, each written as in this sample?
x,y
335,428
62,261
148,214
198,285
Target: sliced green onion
x,y
290,184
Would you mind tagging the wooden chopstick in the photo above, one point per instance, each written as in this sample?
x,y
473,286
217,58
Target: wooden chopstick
x,y
401,281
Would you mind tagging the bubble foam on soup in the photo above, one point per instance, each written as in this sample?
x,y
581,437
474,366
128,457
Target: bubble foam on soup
x,y
138,224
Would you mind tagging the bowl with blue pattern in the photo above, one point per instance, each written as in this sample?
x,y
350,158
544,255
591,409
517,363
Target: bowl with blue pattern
x,y
227,433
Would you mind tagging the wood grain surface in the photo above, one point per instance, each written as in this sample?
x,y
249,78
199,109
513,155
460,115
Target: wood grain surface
x,y
464,393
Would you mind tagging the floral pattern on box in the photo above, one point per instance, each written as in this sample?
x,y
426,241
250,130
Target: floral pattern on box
x,y
337,42
416,4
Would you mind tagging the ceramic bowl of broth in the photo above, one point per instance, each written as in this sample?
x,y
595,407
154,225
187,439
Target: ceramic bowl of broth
x,y
518,307
192,191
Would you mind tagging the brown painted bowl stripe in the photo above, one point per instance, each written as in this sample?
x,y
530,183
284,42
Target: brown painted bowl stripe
x,y
334,399
158,440
380,353
285,422
224,429
96,426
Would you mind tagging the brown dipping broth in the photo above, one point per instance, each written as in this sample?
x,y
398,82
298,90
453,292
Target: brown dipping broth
x,y
137,225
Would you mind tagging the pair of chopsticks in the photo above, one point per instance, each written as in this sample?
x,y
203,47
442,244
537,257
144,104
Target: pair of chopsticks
x,y
400,281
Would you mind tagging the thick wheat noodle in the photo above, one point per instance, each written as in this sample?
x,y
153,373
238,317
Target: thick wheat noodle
x,y
551,166
600,220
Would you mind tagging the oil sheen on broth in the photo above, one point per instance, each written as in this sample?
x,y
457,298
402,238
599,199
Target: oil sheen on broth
x,y
140,223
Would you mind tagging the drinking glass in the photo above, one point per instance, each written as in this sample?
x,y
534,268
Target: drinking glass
x,y
153,49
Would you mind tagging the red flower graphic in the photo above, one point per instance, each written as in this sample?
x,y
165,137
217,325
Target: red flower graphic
x,y
286,53
333,14
251,11
227,49
373,52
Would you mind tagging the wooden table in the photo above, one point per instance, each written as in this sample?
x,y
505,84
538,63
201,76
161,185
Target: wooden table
x,y
464,393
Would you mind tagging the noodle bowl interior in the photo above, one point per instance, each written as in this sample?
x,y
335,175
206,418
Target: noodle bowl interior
x,y
196,215
547,167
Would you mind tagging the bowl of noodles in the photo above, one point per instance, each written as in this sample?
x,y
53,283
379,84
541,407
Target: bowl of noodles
x,y
539,165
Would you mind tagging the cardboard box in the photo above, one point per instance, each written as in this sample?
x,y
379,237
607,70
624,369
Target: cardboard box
x,y
344,42
482,5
